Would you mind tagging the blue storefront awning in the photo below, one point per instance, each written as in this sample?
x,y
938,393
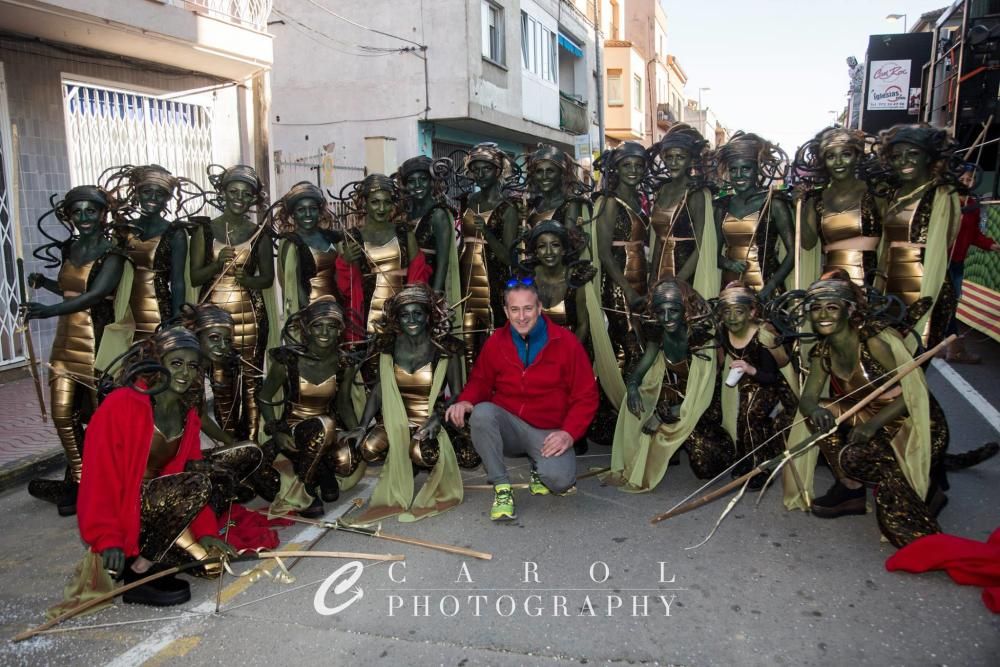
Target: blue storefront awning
x,y
570,45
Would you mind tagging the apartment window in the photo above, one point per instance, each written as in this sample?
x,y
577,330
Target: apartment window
x,y
538,49
637,92
616,96
493,32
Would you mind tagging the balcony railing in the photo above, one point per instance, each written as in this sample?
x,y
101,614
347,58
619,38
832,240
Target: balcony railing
x,y
251,13
665,116
573,115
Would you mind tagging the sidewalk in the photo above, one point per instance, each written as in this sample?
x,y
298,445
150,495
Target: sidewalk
x,y
28,446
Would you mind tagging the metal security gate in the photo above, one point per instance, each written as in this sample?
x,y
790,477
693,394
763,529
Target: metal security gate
x,y
107,127
11,342
321,169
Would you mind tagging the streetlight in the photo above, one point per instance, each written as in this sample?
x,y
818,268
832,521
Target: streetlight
x,y
896,17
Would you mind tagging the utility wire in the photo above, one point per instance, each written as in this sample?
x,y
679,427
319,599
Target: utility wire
x,y
364,27
352,120
300,26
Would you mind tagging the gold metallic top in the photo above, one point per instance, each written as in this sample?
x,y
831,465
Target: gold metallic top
x,y
635,250
325,281
415,389
663,222
556,312
74,346
841,226
675,377
473,273
904,268
162,451
389,275
143,301
236,300
739,235
313,401
852,389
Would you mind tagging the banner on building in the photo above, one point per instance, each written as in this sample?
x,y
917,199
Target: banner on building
x,y
888,85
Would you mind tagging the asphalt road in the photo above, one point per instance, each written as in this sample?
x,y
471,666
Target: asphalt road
x,y
602,585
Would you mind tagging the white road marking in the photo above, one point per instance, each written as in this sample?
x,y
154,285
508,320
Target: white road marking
x,y
968,392
162,638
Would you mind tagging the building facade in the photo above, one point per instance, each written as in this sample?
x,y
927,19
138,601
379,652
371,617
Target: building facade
x,y
91,84
365,88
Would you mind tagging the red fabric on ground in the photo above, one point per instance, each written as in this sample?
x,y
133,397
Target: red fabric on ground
x,y
251,530
966,561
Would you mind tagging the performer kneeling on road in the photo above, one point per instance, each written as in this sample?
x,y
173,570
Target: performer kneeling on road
x,y
531,393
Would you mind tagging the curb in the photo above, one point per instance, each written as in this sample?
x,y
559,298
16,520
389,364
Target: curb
x,y
29,467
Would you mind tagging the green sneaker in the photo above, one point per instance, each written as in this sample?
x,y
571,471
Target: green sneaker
x,y
536,486
503,503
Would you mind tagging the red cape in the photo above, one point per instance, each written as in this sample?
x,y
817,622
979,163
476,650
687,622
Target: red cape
x,y
115,452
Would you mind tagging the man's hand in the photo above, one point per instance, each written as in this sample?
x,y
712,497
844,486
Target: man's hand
x,y
556,443
457,412
113,560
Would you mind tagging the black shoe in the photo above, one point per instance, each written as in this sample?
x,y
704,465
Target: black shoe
x,y
164,592
49,490
937,500
840,501
66,505
757,481
314,511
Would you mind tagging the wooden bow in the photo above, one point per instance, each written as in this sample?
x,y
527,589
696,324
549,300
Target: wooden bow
x,y
772,465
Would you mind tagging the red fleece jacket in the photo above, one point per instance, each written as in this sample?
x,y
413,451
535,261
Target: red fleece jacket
x,y
557,391
115,452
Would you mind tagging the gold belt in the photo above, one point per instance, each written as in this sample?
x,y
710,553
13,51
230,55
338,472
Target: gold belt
x,y
851,261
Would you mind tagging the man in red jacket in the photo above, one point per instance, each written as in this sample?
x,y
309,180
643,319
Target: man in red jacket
x,y
531,393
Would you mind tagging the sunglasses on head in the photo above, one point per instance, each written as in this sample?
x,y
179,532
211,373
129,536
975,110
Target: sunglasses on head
x,y
523,282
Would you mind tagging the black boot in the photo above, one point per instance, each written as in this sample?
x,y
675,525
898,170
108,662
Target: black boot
x,y
163,592
66,505
314,511
840,501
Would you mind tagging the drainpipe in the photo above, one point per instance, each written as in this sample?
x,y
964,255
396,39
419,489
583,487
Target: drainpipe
x,y
599,66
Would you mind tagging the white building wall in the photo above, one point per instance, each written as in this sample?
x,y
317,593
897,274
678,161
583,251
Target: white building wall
x,y
539,97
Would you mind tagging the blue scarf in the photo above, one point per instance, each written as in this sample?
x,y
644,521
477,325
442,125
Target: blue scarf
x,y
528,347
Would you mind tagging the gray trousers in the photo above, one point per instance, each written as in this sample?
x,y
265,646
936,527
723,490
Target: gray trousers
x,y
497,433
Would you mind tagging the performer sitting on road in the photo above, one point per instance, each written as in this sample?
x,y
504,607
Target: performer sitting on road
x,y
531,393
144,496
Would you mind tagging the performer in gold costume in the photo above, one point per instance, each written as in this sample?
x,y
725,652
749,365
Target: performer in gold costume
x,y
621,230
157,247
419,366
681,207
921,223
841,209
489,228
672,398
432,218
90,268
893,443
307,254
761,401
232,261
315,380
567,294
145,490
752,219
380,251
553,179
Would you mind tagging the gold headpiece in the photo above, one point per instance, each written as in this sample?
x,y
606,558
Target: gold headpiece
x,y
176,338
486,152
325,307
839,137
153,174
667,291
736,293
210,316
